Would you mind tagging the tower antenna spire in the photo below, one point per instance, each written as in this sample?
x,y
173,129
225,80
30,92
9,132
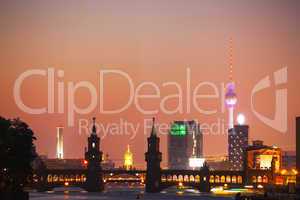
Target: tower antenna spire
x,y
153,132
94,126
230,59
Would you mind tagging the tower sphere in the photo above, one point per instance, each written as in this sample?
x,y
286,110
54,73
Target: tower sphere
x,y
230,97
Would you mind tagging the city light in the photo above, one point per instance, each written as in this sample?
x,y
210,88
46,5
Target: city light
x,y
265,161
128,159
241,119
295,171
217,189
180,184
222,191
283,171
178,129
260,186
196,162
59,143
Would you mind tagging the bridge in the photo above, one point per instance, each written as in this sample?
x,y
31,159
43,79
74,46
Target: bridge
x,y
155,179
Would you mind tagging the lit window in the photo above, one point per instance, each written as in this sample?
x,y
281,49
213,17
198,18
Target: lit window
x,y
212,179
93,145
228,179
222,179
217,179
240,179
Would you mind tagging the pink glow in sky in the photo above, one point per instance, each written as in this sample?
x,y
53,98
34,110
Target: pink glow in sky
x,y
151,41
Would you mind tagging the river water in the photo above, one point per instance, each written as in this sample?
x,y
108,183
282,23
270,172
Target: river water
x,y
121,192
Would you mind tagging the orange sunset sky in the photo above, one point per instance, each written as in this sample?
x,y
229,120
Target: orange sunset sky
x,y
151,41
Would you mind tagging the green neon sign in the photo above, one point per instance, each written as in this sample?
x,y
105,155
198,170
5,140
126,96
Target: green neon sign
x,y
178,130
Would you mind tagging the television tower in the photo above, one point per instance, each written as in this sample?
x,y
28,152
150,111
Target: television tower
x,y
59,142
230,96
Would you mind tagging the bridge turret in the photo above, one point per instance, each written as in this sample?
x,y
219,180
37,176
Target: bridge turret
x,y
153,158
204,180
93,156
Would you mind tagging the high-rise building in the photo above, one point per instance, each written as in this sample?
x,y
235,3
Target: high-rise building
x,y
59,142
185,144
237,144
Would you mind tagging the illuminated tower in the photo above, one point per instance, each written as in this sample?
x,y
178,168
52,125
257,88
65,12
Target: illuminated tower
x,y
230,97
128,159
237,134
59,142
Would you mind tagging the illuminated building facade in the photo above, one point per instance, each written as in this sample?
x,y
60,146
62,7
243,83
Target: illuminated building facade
x,y
218,162
128,159
262,157
185,145
59,142
237,144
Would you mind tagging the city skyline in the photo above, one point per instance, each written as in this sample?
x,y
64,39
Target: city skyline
x,y
41,36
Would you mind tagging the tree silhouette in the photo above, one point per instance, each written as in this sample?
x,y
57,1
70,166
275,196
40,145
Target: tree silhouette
x,y
17,152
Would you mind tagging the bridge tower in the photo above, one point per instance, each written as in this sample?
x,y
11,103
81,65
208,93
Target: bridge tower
x,y
205,176
93,156
153,158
